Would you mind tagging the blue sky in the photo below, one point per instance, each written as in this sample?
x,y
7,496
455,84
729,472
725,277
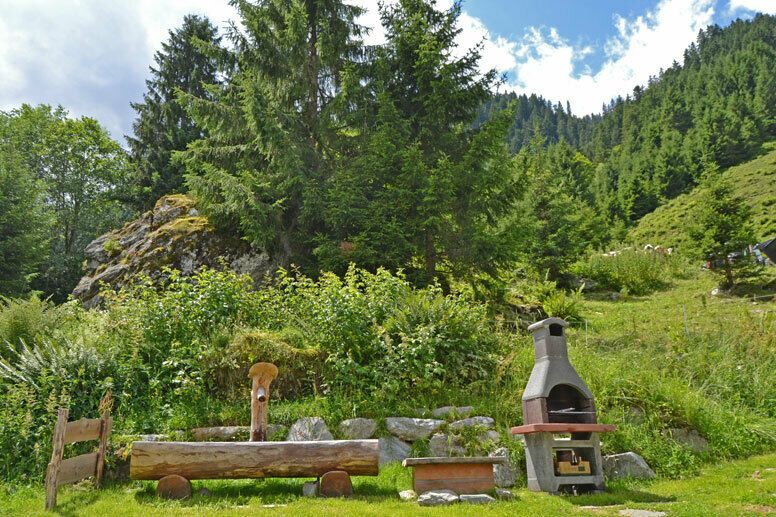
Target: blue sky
x,y
92,56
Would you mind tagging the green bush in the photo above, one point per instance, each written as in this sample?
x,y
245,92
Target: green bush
x,y
632,271
381,336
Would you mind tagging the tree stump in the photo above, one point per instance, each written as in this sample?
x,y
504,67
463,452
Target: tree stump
x,y
174,487
335,483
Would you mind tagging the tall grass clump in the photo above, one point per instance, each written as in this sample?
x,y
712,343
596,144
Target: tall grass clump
x,y
632,271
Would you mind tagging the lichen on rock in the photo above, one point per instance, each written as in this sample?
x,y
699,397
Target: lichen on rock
x,y
173,234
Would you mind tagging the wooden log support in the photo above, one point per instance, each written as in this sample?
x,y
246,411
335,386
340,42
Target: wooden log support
x,y
57,450
335,484
228,460
173,487
262,374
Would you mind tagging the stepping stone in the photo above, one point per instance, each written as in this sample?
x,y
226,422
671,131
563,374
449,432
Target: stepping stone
x,y
174,487
437,498
335,483
628,512
476,499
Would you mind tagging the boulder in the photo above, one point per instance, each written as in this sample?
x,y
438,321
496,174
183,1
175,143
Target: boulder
x,y
505,474
437,498
306,429
408,495
481,421
689,438
392,449
452,411
411,429
489,437
230,433
476,498
627,465
444,445
357,428
172,234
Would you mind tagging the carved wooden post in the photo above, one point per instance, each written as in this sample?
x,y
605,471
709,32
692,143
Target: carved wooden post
x,y
262,374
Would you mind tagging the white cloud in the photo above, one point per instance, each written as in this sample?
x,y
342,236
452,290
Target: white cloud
x,y
497,52
761,6
90,56
641,47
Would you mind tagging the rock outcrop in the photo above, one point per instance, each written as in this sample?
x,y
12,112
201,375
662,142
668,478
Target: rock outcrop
x,y
173,234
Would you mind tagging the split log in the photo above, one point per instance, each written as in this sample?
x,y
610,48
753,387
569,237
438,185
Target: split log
x,y
225,460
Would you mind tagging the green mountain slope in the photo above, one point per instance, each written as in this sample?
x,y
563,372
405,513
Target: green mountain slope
x,y
754,181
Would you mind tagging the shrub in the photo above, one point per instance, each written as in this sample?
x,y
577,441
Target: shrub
x,y
634,271
299,368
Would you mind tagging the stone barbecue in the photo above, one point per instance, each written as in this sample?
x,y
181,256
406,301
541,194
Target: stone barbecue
x,y
556,401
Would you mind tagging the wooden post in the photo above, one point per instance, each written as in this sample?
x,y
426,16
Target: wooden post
x,y
57,450
105,427
262,375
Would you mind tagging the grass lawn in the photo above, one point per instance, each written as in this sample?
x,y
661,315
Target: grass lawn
x,y
745,487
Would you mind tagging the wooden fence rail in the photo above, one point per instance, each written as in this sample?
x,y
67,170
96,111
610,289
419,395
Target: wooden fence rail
x,y
66,471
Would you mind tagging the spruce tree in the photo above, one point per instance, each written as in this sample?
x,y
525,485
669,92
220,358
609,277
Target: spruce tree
x,y
272,129
162,125
722,228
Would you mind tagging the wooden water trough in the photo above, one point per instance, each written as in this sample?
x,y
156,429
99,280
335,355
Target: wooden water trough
x,y
238,460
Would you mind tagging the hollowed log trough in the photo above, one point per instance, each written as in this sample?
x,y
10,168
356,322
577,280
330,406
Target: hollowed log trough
x,y
230,460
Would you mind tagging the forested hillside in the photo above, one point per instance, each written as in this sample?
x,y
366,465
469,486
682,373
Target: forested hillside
x,y
711,111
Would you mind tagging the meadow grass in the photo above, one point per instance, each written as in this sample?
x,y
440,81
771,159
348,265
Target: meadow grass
x,y
744,487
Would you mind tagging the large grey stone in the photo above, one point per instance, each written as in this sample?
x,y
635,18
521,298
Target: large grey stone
x,y
689,438
627,465
452,411
630,512
488,437
437,498
411,429
392,449
476,498
311,428
357,428
221,434
505,474
481,421
445,445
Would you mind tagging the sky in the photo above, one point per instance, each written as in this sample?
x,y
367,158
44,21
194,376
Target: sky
x,y
92,56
